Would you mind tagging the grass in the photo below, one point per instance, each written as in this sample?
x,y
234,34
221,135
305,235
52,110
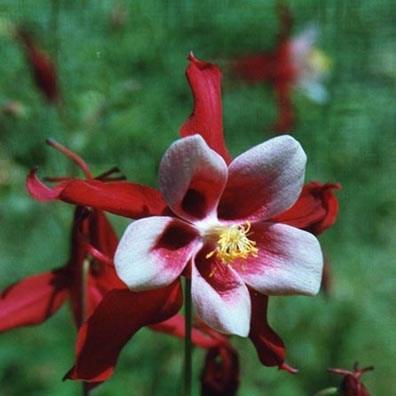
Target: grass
x,y
126,96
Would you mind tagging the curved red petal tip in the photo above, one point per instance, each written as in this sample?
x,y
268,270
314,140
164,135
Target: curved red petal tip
x,y
329,186
38,190
191,57
284,366
200,64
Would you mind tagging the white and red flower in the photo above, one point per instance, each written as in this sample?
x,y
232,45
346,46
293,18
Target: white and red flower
x,y
220,232
294,63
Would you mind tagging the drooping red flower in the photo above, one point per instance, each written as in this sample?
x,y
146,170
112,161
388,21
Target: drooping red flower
x,y
293,63
34,299
42,66
85,278
351,384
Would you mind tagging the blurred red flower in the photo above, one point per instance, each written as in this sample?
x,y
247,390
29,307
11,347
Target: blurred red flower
x,y
294,62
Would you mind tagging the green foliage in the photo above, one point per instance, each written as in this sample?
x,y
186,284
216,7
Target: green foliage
x,y
125,97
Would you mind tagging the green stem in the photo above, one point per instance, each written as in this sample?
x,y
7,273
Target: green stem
x,y
84,291
85,390
84,307
327,392
187,339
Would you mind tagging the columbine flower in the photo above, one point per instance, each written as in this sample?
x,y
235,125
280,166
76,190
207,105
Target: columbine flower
x,y
42,66
222,234
97,350
295,63
351,384
311,64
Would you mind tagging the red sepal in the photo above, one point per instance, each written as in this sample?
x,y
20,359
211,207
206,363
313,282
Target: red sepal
x,y
207,118
32,300
269,346
315,210
117,318
175,327
40,191
118,197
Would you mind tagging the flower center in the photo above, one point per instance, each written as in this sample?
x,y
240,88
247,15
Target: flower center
x,y
233,243
319,61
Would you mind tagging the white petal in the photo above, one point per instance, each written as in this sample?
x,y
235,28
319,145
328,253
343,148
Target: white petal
x,y
221,299
153,252
289,261
264,181
192,178
315,90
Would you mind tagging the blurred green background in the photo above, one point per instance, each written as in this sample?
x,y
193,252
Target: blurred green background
x,y
121,70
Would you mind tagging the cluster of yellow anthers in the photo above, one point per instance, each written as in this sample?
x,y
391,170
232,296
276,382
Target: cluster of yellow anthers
x,y
233,243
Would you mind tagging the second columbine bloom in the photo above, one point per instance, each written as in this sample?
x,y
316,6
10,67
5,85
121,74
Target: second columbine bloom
x,y
219,231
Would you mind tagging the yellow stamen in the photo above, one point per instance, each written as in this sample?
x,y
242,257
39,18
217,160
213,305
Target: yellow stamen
x,y
319,61
233,243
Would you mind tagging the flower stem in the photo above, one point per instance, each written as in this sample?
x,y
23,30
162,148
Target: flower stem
x,y
84,291
187,339
85,389
84,307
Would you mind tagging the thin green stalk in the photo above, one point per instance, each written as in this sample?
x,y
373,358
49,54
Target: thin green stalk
x,y
187,339
84,307
327,392
85,389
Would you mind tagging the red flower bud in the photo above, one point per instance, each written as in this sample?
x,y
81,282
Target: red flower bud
x,y
42,66
351,384
220,375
